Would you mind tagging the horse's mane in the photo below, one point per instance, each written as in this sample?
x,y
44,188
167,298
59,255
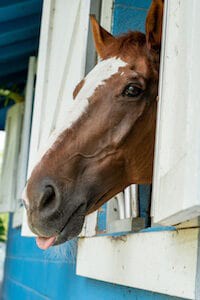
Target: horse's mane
x,y
132,38
124,43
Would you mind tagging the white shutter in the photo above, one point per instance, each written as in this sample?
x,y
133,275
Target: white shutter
x,y
176,192
10,158
25,139
61,65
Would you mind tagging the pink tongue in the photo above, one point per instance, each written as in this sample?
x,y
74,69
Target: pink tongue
x,y
44,243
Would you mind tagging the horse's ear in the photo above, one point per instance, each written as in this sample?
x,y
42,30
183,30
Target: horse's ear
x,y
154,25
102,38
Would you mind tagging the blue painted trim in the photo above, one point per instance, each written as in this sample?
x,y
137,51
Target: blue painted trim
x,y
12,79
133,4
13,67
149,229
19,38
20,10
19,34
101,220
23,48
3,112
144,192
21,23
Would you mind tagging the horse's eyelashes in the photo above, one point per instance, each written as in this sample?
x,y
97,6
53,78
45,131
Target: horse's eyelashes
x,y
131,90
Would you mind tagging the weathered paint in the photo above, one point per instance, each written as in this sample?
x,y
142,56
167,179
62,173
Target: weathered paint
x,y
148,260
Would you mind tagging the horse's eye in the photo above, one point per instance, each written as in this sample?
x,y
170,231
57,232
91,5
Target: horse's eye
x,y
132,90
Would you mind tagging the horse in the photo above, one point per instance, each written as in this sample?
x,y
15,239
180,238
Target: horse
x,y
108,141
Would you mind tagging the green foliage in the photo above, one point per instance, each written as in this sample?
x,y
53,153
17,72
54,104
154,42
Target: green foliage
x,y
3,227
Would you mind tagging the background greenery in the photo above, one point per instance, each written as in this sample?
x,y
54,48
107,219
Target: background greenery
x,y
3,227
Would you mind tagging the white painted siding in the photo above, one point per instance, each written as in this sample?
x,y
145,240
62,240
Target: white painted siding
x,y
176,193
163,262
61,65
8,183
25,140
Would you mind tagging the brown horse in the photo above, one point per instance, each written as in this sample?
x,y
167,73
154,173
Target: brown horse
x,y
108,142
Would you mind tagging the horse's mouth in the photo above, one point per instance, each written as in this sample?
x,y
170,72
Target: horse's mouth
x,y
70,230
72,227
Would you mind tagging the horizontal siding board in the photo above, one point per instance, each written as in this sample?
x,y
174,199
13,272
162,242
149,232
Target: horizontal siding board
x,y
19,23
141,4
24,22
19,34
21,291
14,67
18,50
164,257
19,10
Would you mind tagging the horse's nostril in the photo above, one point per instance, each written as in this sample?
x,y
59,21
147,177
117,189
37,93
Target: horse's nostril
x,y
48,197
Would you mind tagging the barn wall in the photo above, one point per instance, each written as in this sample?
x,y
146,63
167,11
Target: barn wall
x,y
32,274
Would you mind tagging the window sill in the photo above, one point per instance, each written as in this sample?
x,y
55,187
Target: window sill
x,y
152,261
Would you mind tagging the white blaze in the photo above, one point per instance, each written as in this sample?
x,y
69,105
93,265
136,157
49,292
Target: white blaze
x,y
97,76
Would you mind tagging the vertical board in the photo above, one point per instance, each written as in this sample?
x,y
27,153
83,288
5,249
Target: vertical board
x,y
62,52
61,65
25,141
176,193
10,158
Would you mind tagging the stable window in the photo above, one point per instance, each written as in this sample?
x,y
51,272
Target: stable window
x,y
125,212
160,252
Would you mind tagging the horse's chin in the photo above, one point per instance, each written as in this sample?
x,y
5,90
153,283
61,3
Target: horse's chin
x,y
65,235
74,224
70,230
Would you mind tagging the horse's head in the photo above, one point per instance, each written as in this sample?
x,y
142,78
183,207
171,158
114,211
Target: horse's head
x,y
108,143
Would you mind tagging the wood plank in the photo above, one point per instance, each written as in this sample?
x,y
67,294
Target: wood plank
x,y
163,262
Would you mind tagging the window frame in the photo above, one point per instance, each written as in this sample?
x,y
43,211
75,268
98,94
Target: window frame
x,y
44,60
25,141
165,259
176,194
